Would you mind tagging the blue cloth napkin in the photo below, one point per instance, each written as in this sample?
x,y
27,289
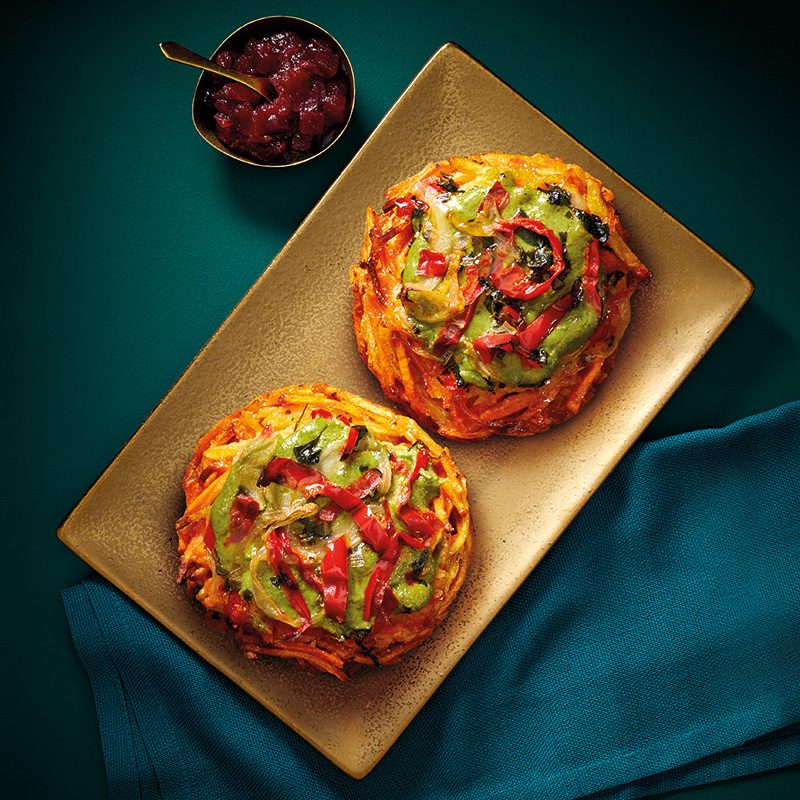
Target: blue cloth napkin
x,y
657,646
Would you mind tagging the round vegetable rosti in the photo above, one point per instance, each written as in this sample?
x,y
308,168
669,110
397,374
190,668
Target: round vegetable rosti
x,y
324,529
492,293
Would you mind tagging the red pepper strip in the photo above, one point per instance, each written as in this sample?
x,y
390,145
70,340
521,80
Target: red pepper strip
x,y
472,286
374,533
591,276
509,314
350,443
236,610
244,510
424,523
510,225
360,487
486,344
334,578
294,475
449,382
388,513
313,483
309,576
513,280
364,485
412,541
283,570
497,194
534,334
376,586
422,460
454,329
405,205
306,570
296,599
431,264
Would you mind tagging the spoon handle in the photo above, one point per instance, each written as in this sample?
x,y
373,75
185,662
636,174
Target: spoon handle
x,y
176,52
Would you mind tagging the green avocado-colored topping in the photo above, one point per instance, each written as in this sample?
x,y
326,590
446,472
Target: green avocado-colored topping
x,y
460,223
254,511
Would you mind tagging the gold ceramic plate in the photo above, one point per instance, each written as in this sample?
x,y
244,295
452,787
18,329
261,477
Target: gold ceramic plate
x,y
124,526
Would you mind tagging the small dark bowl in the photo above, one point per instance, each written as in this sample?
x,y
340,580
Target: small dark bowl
x,y
203,115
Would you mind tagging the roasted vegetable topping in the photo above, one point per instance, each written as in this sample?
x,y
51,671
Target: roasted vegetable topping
x,y
528,289
313,521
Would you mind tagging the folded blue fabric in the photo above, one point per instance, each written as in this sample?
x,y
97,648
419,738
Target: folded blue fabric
x,y
655,647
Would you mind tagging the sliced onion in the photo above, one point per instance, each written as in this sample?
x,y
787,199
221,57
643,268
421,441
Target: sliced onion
x,y
263,600
274,516
442,231
460,240
331,456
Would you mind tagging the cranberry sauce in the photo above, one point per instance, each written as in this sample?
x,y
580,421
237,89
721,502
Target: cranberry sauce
x,y
307,108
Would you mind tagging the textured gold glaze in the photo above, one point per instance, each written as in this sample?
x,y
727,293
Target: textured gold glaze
x,y
124,525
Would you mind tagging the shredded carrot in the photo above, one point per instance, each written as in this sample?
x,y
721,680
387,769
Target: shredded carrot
x,y
207,496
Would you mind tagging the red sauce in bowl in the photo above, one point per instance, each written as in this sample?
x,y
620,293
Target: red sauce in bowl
x,y
309,106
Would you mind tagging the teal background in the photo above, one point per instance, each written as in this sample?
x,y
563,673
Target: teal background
x,y
129,240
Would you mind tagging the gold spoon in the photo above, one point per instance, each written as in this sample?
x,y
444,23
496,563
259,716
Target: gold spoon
x,y
176,52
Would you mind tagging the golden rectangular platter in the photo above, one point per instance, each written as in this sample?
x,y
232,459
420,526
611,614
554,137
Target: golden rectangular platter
x,y
124,526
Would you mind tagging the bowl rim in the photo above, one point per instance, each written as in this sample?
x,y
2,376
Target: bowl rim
x,y
208,134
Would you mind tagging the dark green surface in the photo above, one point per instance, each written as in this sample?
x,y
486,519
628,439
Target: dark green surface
x,y
129,240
